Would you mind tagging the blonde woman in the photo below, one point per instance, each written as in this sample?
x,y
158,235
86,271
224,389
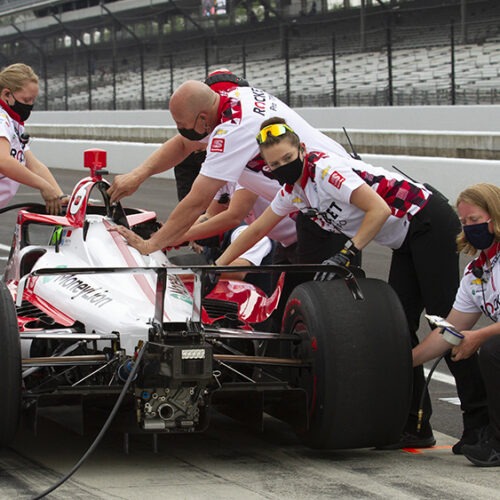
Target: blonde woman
x,y
479,294
18,164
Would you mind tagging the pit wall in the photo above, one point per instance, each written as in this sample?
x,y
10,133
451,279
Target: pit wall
x,y
450,147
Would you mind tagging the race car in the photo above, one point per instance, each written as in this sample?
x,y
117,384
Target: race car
x,y
89,322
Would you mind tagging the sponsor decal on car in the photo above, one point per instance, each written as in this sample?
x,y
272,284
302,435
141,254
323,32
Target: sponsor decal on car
x,y
83,290
177,289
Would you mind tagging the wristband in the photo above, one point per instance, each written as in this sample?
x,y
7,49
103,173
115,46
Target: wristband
x,y
351,248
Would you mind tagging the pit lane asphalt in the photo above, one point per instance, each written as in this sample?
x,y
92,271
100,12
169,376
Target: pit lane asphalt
x,y
230,461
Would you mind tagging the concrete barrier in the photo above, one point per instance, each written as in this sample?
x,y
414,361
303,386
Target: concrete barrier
x,y
479,145
448,175
452,118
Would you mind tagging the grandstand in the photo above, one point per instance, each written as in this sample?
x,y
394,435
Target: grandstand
x,y
131,54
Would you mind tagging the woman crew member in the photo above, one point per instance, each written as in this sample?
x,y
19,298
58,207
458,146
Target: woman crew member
x,y
18,164
479,294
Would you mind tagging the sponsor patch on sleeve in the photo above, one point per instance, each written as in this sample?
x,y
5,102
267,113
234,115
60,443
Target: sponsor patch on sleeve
x,y
217,145
336,179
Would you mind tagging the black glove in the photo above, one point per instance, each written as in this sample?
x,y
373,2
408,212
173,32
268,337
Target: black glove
x,y
342,259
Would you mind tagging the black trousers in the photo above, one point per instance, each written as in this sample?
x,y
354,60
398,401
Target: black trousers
x,y
425,274
314,244
186,172
489,362
283,255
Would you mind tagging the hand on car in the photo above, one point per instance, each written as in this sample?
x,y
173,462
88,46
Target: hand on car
x,y
123,185
132,239
52,199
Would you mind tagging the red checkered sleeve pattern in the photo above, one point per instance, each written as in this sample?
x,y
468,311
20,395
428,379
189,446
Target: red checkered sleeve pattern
x,y
403,197
231,111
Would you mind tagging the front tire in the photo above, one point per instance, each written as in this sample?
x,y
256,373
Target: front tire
x,y
10,368
360,377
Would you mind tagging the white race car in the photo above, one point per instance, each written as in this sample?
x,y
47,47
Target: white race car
x,y
87,320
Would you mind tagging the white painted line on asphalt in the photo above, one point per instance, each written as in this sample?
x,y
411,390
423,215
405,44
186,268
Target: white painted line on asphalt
x,y
441,377
453,401
5,247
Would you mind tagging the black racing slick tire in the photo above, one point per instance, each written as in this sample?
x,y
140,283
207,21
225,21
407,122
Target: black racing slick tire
x,y
10,368
359,375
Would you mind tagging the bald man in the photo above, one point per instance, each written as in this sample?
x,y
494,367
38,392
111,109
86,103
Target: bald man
x,y
221,80
227,125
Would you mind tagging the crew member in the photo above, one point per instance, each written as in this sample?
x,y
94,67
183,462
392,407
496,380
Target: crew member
x,y
18,164
479,295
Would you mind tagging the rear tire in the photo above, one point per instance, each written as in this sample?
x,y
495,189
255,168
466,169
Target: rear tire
x,y
360,379
10,368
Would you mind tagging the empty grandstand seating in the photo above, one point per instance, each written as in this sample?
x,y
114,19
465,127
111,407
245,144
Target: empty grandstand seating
x,y
415,72
303,48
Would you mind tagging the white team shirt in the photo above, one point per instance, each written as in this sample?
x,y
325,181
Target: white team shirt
x,y
11,130
325,191
233,152
256,254
284,232
481,294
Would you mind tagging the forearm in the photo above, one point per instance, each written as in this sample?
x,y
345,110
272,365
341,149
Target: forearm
x,y
14,170
167,156
485,333
245,241
376,213
213,225
43,171
181,219
185,214
237,275
370,227
431,347
173,231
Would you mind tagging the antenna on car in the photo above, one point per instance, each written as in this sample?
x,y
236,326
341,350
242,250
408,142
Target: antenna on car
x,y
353,154
403,173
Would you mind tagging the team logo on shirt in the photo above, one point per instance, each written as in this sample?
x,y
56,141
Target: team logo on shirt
x,y
221,131
217,145
336,179
324,172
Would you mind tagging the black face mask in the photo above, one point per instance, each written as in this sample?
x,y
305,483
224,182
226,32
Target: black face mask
x,y
191,134
23,110
479,236
289,173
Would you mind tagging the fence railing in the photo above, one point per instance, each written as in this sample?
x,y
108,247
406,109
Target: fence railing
x,y
396,67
